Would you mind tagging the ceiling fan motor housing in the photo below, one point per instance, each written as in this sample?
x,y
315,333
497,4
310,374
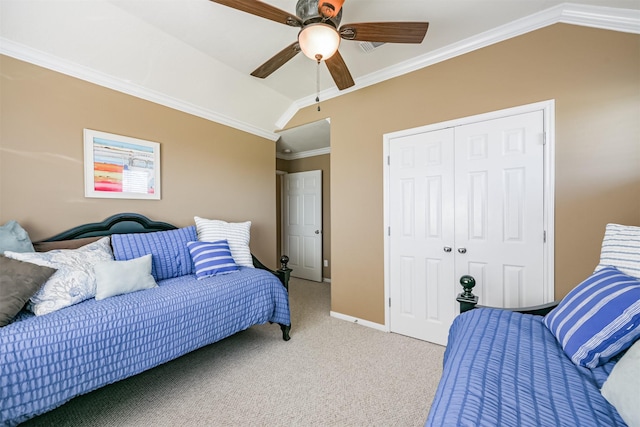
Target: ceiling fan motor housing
x,y
307,11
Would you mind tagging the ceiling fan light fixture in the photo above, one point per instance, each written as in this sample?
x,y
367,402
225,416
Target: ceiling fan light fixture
x,y
319,41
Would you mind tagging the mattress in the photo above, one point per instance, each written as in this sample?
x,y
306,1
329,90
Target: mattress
x,y
506,369
47,360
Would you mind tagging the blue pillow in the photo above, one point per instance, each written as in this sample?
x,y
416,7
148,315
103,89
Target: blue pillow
x,y
170,255
14,238
212,258
599,318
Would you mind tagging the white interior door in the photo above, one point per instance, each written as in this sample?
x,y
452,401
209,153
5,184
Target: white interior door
x,y
465,200
499,209
302,219
422,235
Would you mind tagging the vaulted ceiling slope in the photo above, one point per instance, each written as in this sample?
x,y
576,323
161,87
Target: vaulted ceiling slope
x,y
196,56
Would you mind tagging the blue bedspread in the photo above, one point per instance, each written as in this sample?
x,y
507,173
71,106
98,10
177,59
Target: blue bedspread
x,y
47,360
506,369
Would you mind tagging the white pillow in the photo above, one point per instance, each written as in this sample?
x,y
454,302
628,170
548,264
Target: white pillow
x,y
237,234
74,281
121,277
622,388
621,249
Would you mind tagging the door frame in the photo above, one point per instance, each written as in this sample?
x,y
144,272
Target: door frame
x,y
548,109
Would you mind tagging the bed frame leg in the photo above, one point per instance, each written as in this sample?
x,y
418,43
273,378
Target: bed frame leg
x,y
285,332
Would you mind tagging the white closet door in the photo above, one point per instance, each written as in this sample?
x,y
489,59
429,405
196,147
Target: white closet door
x,y
422,235
499,209
465,200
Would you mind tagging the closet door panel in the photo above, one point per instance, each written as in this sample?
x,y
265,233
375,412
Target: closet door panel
x,y
499,191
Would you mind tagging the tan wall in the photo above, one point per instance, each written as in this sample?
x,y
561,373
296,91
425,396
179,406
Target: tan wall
x,y
208,169
594,76
311,164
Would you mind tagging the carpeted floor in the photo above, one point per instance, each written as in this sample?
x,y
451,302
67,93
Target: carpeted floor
x,y
331,373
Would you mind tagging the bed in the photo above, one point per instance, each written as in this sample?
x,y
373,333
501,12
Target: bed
x,y
46,360
569,363
504,368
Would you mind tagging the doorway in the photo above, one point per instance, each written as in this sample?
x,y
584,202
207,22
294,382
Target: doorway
x,y
302,149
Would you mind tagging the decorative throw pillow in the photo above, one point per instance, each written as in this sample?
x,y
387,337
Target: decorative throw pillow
x,y
599,318
14,238
211,258
236,233
18,282
622,388
74,281
621,249
121,277
169,249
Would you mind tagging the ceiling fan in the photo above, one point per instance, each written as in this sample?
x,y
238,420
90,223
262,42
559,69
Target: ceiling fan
x,y
320,34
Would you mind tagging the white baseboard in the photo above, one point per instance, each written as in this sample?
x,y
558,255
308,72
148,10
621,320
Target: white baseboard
x,y
362,322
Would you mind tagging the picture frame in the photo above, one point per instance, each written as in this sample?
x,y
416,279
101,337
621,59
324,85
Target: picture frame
x,y
120,167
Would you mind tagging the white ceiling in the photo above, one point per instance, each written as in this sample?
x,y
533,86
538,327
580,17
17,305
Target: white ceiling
x,y
311,139
196,55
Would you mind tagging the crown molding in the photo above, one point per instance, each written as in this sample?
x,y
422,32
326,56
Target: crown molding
x,y
615,19
606,18
288,115
303,154
51,62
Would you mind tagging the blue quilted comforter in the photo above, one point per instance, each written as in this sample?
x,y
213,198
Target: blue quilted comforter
x,y
506,369
47,360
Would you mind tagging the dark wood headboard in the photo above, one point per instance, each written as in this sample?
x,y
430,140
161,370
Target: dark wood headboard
x,y
121,223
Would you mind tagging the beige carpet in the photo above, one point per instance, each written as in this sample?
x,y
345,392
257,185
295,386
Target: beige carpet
x,y
331,373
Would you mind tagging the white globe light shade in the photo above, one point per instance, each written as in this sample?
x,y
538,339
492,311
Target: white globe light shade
x,y
319,39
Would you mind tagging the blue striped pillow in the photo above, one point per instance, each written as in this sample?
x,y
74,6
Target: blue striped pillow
x,y
170,256
211,258
599,318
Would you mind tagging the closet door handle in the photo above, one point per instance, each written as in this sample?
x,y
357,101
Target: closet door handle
x,y
447,249
462,250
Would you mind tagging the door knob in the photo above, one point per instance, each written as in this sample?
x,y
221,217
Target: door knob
x,y
317,231
447,249
462,250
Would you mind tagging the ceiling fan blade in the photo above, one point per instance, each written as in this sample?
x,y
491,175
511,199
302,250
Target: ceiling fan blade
x,y
386,32
339,71
263,10
277,61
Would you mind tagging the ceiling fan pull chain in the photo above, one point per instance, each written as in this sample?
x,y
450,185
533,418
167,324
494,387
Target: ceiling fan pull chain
x,y
318,57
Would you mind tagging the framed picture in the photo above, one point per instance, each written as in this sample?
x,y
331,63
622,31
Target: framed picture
x,y
120,167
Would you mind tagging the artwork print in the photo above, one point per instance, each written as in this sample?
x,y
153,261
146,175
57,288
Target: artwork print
x,y
121,167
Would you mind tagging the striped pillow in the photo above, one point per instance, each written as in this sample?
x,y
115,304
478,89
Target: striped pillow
x,y
621,249
237,234
599,318
211,258
168,249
